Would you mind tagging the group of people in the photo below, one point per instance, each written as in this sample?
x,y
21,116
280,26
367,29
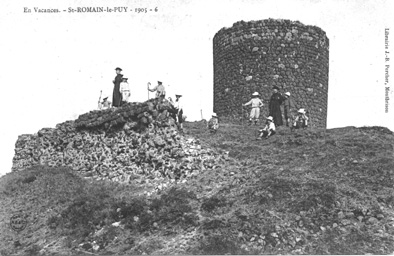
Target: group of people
x,y
176,110
274,118
121,95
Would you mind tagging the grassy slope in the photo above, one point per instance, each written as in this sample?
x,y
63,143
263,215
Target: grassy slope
x,y
310,181
308,192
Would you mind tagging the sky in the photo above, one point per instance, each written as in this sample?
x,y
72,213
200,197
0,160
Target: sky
x,y
54,65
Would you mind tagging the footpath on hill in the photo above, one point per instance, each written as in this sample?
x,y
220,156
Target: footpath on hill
x,y
307,192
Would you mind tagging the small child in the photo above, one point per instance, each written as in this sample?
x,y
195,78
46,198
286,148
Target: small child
x,y
268,130
256,104
125,90
213,124
301,121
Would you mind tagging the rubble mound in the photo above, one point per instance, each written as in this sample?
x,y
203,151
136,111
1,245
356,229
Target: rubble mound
x,y
136,115
135,141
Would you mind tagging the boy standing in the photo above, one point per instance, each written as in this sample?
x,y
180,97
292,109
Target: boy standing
x,y
256,105
125,90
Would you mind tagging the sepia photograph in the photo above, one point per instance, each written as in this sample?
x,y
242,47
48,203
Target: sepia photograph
x,y
196,127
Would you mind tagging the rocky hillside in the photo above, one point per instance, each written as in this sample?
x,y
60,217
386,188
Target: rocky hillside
x,y
307,192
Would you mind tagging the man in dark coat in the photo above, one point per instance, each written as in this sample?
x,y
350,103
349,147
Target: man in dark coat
x,y
274,107
117,95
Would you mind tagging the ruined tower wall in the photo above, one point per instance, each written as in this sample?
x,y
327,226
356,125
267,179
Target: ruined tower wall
x,y
256,55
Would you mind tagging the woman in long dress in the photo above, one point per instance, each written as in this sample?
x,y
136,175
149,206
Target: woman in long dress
x,y
116,95
274,106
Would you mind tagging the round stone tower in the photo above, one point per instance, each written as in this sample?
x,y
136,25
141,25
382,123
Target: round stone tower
x,y
256,55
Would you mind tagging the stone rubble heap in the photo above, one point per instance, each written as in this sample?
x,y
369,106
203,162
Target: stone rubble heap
x,y
137,141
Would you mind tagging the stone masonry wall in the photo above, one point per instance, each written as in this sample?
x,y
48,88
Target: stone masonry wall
x,y
256,55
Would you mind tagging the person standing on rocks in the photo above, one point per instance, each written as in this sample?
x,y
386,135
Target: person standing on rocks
x,y
172,111
289,107
116,95
179,108
125,90
274,106
160,90
256,105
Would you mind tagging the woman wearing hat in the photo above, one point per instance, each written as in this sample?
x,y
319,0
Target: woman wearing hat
x,y
125,90
116,95
274,106
256,105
